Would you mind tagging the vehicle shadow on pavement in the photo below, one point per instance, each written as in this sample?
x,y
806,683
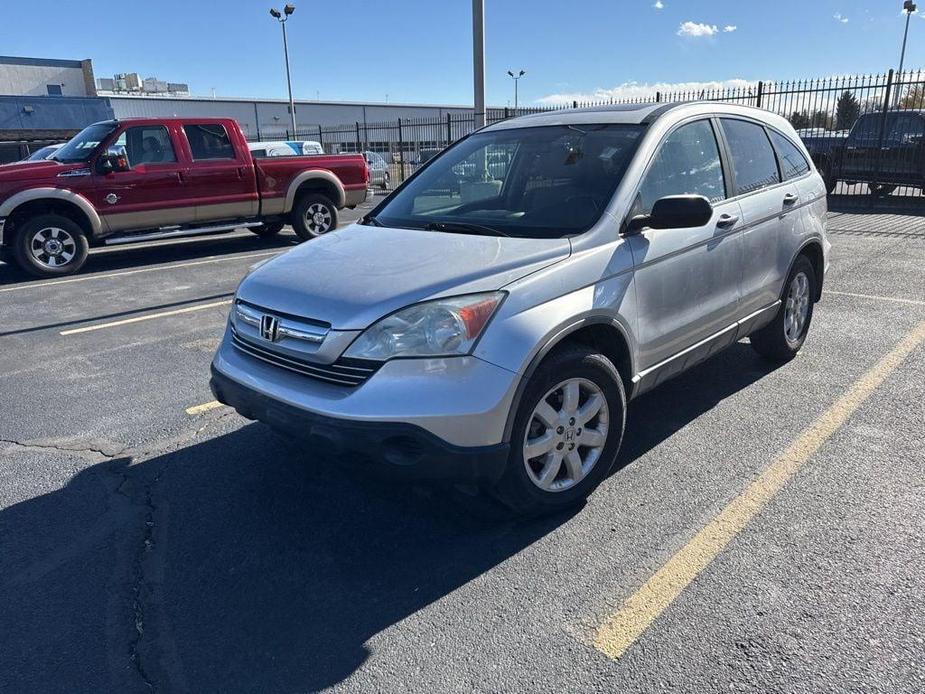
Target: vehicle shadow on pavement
x,y
128,257
248,563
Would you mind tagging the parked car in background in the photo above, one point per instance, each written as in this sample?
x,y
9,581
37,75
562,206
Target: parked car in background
x,y
378,170
147,178
286,148
43,153
861,156
493,330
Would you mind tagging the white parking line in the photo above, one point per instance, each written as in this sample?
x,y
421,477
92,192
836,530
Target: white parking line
x,y
158,268
875,297
139,319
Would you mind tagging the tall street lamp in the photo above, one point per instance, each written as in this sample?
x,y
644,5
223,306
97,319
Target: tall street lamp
x,y
516,79
909,8
281,17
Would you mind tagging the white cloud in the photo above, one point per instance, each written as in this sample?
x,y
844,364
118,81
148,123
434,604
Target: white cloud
x,y
729,28
637,90
839,17
659,5
697,29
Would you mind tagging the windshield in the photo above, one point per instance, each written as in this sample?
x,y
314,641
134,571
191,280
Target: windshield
x,y
81,147
542,182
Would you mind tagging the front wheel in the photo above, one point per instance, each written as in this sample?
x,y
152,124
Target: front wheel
x,y
567,433
50,245
313,215
782,338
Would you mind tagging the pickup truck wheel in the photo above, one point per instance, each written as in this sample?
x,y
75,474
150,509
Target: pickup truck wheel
x,y
880,190
385,181
50,246
314,214
566,435
265,231
782,338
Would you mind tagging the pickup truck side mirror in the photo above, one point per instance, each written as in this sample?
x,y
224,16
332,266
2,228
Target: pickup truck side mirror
x,y
673,212
114,159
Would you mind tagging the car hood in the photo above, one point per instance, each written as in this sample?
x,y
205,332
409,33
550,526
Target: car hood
x,y
44,169
355,276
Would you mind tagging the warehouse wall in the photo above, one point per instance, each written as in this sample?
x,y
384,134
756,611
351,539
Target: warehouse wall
x,y
31,76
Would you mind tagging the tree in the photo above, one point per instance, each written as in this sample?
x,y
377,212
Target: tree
x,y
799,120
914,98
821,119
846,111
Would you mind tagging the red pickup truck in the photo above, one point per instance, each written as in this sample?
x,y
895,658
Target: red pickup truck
x,y
143,179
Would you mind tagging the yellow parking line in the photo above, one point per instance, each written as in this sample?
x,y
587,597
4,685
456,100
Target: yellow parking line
x,y
139,319
156,268
643,607
914,302
204,407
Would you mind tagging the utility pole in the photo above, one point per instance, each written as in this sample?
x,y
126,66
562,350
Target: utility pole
x,y
281,17
516,79
478,60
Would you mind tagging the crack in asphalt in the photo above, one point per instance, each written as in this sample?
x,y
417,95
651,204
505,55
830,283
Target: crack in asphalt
x,y
87,450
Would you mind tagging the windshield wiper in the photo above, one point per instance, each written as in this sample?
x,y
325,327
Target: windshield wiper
x,y
464,228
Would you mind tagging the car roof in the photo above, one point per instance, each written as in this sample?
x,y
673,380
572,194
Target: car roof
x,y
633,114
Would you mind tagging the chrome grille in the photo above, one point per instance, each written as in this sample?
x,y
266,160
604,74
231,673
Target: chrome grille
x,y
344,372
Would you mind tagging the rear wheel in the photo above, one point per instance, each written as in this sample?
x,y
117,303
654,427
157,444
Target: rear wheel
x,y
783,337
265,231
50,245
313,215
567,432
880,190
385,181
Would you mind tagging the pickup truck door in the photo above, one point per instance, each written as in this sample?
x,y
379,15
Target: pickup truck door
x,y
902,151
221,175
152,193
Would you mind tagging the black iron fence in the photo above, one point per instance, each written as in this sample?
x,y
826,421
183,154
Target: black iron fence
x,y
866,133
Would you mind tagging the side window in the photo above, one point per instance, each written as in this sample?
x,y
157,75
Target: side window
x,y
687,163
209,141
906,130
752,157
792,161
147,144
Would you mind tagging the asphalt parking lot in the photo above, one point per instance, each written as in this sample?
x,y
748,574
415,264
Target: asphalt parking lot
x,y
762,531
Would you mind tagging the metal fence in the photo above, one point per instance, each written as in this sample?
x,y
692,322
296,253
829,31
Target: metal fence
x,y
884,156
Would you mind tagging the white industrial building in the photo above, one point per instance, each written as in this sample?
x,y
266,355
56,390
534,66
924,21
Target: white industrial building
x,y
46,77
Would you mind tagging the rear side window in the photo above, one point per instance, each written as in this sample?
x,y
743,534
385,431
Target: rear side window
x,y
209,141
752,157
687,163
792,161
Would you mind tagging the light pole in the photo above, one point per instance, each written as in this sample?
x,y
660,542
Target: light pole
x,y
281,17
909,8
478,61
516,79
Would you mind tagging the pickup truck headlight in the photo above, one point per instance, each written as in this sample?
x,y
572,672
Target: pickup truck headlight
x,y
439,328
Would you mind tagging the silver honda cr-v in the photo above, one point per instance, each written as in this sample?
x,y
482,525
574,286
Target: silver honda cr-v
x,y
490,320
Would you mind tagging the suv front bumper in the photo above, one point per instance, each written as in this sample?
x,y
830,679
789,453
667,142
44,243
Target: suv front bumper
x,y
408,449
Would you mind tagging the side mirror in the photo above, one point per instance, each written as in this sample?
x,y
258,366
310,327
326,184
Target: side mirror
x,y
673,212
114,159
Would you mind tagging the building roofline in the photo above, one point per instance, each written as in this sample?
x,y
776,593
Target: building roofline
x,y
298,102
39,62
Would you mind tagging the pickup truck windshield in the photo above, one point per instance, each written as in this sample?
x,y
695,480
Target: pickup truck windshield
x,y
83,144
541,182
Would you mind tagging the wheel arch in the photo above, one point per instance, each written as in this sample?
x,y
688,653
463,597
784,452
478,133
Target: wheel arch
x,y
603,333
813,252
319,181
22,206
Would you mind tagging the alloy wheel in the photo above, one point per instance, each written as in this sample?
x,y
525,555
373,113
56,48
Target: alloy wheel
x,y
566,435
796,308
53,247
318,219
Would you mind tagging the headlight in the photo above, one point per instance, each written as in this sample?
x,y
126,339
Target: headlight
x,y
440,328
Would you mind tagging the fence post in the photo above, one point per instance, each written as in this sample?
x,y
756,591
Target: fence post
x,y
320,138
760,94
886,108
401,152
575,104
658,97
506,113
359,148
449,130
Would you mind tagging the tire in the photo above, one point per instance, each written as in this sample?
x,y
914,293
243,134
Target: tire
x,y
522,487
50,245
385,181
313,215
266,231
780,340
880,190
825,170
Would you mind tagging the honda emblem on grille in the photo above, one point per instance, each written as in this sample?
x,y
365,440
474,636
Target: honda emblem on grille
x,y
269,328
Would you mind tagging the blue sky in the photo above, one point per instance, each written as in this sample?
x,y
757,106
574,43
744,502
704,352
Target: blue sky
x,y
420,50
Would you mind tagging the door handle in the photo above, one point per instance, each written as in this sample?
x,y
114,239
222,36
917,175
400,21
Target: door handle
x,y
180,177
790,198
240,172
726,221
